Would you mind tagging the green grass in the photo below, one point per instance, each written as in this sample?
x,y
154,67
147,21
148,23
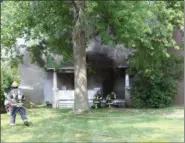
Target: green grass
x,y
102,125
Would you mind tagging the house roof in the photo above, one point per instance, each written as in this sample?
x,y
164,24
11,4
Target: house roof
x,y
103,56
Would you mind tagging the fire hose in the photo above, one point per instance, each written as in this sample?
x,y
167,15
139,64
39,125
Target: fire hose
x,y
31,103
21,105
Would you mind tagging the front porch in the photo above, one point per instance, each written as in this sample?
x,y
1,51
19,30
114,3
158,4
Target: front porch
x,y
107,80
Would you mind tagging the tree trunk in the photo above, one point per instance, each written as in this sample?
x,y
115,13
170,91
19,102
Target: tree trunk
x,y
79,54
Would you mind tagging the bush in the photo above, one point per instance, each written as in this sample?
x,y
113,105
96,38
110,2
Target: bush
x,y
157,88
8,75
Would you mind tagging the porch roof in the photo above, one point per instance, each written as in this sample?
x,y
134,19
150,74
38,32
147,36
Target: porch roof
x,y
70,69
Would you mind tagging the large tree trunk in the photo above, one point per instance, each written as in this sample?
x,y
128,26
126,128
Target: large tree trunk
x,y
79,53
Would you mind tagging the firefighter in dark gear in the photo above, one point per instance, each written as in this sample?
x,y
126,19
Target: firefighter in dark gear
x,y
97,98
16,99
110,98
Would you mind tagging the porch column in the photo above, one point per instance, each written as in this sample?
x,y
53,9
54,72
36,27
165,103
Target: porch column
x,y
55,89
127,90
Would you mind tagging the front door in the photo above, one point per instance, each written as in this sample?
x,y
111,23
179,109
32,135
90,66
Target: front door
x,y
108,82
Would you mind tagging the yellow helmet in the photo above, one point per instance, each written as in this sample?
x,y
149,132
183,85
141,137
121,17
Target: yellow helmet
x,y
15,84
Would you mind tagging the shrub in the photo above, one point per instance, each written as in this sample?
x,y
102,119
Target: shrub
x,y
157,88
8,75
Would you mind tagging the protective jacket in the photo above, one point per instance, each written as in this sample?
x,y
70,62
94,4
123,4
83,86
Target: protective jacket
x,y
15,96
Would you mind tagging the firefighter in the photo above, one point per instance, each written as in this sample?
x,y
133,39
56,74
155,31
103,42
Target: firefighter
x,y
97,98
16,98
110,98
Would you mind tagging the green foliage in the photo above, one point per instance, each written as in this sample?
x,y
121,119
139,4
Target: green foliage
x,y
157,70
145,26
118,21
138,24
157,89
176,12
8,75
38,20
13,17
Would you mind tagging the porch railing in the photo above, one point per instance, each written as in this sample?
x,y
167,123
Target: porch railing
x,y
65,98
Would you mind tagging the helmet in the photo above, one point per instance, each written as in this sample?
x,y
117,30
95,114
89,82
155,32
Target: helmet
x,y
15,84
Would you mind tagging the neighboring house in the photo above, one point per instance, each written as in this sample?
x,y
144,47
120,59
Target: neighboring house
x,y
179,38
106,70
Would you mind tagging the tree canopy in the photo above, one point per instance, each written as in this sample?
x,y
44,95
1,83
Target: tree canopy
x,y
146,26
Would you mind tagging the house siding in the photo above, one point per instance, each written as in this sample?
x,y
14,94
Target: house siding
x,y
179,99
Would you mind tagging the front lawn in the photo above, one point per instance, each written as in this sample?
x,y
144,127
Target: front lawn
x,y
102,125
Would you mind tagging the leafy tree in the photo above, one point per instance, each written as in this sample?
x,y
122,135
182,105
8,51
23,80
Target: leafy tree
x,y
141,25
52,21
62,27
8,75
79,54
157,89
156,82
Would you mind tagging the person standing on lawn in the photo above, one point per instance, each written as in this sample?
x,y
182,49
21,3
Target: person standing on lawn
x,y
16,98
